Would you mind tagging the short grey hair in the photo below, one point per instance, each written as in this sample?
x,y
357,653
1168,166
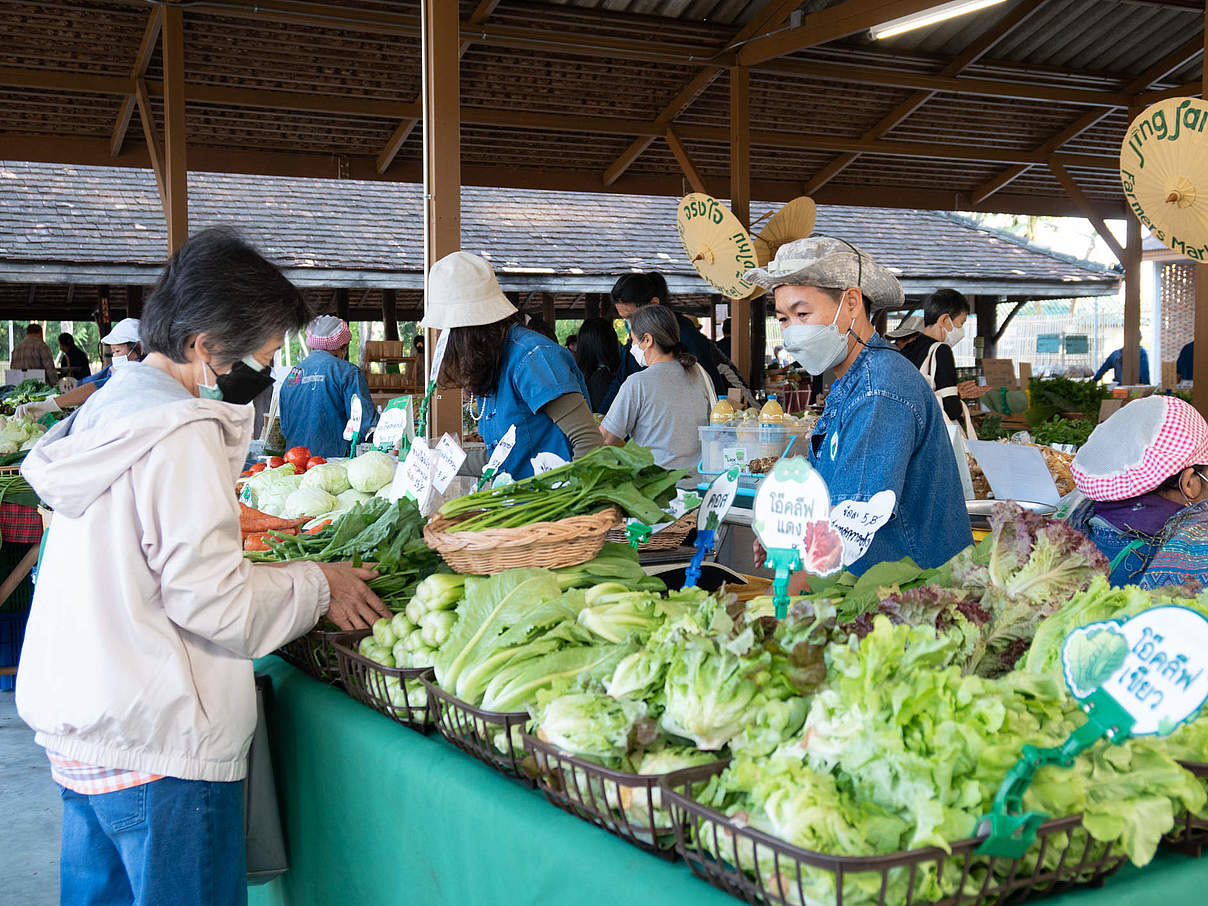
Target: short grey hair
x,y
660,322
219,285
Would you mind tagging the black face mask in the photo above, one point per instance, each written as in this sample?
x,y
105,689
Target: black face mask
x,y
243,383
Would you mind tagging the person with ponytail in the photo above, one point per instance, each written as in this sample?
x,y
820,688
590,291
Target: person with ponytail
x,y
661,406
633,292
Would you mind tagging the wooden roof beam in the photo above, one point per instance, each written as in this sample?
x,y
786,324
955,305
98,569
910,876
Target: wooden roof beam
x,y
970,55
947,82
403,130
142,59
771,13
838,21
155,147
685,161
1170,63
1079,198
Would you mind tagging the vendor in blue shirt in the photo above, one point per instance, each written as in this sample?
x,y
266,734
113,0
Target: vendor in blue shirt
x,y
515,376
316,398
882,429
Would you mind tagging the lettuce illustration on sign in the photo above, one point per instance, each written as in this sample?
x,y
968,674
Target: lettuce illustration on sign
x,y
1091,655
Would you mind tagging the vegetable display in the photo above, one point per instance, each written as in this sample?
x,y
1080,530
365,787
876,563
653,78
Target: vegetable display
x,y
18,435
303,485
624,477
1055,395
901,751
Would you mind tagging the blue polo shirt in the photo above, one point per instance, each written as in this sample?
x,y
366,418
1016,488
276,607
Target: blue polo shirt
x,y
882,429
100,378
316,401
534,372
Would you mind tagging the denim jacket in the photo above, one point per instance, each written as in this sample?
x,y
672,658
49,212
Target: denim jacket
x,y
882,429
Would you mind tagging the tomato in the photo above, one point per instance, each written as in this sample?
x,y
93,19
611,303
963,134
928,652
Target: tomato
x,y
246,474
315,461
298,456
275,462
258,467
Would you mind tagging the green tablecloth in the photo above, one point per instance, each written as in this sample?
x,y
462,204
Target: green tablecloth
x,y
377,814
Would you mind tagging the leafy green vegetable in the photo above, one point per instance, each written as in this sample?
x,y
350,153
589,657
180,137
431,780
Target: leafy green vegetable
x,y
1062,431
625,477
1050,396
371,471
1094,656
331,477
589,724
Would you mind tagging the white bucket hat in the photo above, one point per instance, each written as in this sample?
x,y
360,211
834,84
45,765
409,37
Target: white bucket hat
x,y
124,331
829,263
463,292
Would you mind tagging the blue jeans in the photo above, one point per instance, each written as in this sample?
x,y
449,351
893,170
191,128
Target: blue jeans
x,y
168,841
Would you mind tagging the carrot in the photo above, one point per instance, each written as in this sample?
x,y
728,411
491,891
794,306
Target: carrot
x,y
255,543
315,529
251,520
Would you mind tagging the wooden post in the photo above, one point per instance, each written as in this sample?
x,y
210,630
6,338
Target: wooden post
x,y
986,309
759,342
104,322
341,300
441,50
134,301
742,349
390,313
549,312
176,168
593,305
1199,365
1132,302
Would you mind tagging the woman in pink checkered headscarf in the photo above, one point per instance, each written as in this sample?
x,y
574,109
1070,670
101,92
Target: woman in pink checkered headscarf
x,y
1144,474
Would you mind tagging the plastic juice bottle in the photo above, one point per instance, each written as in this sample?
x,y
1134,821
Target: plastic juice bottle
x,y
771,413
722,412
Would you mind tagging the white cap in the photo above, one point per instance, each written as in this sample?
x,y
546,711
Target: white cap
x,y
124,331
463,292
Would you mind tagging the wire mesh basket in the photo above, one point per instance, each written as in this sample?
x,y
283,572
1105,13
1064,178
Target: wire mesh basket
x,y
396,692
1190,833
493,737
759,868
629,806
315,654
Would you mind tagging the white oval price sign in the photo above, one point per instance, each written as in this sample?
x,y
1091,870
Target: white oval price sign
x,y
792,510
1155,665
717,502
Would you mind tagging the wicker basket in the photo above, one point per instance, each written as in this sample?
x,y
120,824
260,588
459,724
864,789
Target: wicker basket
x,y
1190,833
396,692
553,545
492,737
664,540
315,654
629,806
715,847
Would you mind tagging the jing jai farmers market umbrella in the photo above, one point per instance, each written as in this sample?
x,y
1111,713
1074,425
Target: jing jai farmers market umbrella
x,y
794,221
717,244
1164,170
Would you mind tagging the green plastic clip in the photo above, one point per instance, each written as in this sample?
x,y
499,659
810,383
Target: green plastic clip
x,y
637,533
785,560
421,418
1012,831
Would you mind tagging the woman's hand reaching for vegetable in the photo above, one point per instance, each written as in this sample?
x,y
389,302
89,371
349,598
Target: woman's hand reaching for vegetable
x,y
353,605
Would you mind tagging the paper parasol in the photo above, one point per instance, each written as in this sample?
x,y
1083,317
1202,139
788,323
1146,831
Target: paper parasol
x,y
717,244
1164,170
794,221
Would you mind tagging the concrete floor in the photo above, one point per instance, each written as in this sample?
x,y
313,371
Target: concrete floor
x,y
31,815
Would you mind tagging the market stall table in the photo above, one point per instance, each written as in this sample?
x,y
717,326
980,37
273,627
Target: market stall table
x,y
377,814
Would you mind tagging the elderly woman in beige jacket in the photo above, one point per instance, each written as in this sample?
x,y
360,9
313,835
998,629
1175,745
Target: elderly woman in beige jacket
x,y
136,671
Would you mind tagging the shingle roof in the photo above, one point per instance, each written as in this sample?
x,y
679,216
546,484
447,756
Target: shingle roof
x,y
112,216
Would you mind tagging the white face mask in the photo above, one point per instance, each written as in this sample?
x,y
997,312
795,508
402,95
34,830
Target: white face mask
x,y
818,347
118,361
955,335
638,354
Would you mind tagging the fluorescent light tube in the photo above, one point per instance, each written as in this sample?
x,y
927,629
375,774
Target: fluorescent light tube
x,y
927,17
